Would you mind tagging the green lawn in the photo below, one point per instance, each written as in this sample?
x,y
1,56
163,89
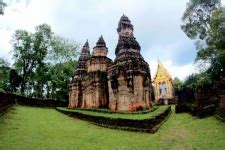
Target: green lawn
x,y
159,109
37,128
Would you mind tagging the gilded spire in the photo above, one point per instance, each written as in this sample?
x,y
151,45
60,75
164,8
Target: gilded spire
x,y
162,71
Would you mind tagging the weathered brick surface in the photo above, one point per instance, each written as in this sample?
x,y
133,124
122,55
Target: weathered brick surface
x,y
221,103
202,101
122,85
6,100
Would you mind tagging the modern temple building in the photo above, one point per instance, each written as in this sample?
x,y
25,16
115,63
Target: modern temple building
x,y
163,84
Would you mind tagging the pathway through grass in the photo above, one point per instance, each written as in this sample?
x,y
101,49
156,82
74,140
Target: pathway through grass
x,y
38,128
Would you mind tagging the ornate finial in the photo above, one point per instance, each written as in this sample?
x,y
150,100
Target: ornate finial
x,y
124,23
101,38
101,42
86,44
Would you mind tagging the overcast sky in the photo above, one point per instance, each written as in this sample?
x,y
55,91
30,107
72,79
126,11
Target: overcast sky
x,y
156,27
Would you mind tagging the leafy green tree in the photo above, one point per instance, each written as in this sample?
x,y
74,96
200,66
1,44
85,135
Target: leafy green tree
x,y
197,80
197,16
62,50
29,51
2,6
15,80
205,20
215,40
214,53
62,57
190,82
41,79
4,62
60,75
4,3
44,62
4,75
177,84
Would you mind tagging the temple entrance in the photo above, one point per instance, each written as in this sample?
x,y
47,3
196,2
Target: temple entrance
x,y
162,90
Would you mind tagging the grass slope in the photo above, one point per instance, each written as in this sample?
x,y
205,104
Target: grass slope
x,y
38,128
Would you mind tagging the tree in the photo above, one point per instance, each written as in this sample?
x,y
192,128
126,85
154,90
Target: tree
x,y
4,75
197,16
214,53
177,84
15,80
62,57
40,79
197,80
60,75
205,20
2,6
9,2
29,51
62,50
44,63
190,82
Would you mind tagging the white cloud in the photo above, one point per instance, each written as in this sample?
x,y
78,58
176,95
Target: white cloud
x,y
223,2
175,71
156,24
4,42
19,16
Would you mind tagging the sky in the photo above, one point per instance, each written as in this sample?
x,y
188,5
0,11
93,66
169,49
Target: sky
x,y
156,27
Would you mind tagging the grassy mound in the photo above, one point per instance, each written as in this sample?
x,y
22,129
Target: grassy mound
x,y
102,110
140,116
149,122
37,128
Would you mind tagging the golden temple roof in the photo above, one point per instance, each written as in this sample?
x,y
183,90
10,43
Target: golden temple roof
x,y
161,72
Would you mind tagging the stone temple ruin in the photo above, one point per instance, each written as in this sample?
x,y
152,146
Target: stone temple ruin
x,y
120,85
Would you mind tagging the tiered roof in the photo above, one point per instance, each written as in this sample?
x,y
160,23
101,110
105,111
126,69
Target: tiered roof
x,y
128,58
85,54
100,43
124,23
162,73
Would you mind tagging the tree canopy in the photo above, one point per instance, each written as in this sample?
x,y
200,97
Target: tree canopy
x,y
4,74
204,20
2,7
177,84
43,63
197,16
